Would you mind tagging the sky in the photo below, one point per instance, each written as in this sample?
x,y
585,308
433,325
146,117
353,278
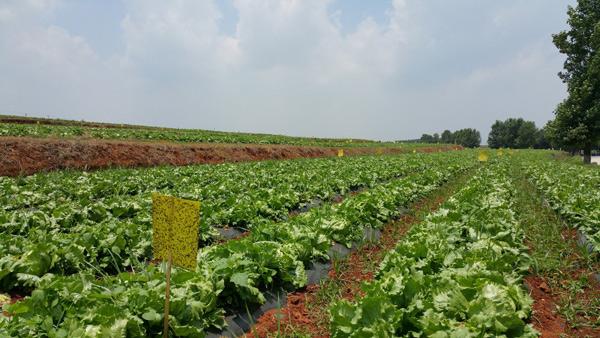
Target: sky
x,y
379,69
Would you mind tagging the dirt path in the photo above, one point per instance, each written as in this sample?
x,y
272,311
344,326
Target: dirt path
x,y
566,303
565,292
306,312
25,156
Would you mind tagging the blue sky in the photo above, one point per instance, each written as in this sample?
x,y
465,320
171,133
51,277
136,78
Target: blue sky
x,y
374,69
99,22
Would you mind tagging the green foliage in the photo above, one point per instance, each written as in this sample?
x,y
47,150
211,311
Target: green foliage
x,y
426,138
541,139
228,275
447,137
467,137
83,221
178,135
456,275
127,305
516,133
577,118
571,190
565,267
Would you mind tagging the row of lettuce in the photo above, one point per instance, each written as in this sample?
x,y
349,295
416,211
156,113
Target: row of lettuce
x,y
572,190
457,274
66,222
229,275
177,135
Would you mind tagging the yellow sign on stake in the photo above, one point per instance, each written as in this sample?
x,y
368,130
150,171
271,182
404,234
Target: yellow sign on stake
x,y
175,224
482,157
340,152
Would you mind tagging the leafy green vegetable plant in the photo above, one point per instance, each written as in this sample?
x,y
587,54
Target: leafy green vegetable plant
x,y
229,275
458,274
67,222
572,190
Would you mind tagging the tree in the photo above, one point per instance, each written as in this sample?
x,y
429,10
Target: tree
x,y
513,133
468,137
577,118
426,138
447,137
498,136
526,134
541,141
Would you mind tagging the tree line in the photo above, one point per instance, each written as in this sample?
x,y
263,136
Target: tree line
x,y
576,123
517,133
511,133
467,137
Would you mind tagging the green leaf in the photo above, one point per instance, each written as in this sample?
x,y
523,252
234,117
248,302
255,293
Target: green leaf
x,y
152,316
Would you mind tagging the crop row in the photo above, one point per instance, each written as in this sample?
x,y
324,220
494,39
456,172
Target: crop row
x,y
72,221
176,135
231,194
229,275
572,190
457,274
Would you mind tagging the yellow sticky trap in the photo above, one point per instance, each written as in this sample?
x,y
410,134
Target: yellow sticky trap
x,y
500,152
482,157
379,151
175,224
414,151
341,153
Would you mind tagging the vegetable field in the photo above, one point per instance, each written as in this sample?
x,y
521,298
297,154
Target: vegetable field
x,y
574,192
73,130
78,245
457,274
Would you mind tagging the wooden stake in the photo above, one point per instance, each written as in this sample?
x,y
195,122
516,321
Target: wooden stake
x,y
167,297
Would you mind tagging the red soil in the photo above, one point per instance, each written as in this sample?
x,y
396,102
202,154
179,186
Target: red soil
x,y
25,156
545,319
13,299
296,312
548,296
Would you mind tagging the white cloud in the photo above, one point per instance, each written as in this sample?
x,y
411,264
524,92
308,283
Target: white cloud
x,y
289,67
523,86
48,70
23,11
286,64
176,33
